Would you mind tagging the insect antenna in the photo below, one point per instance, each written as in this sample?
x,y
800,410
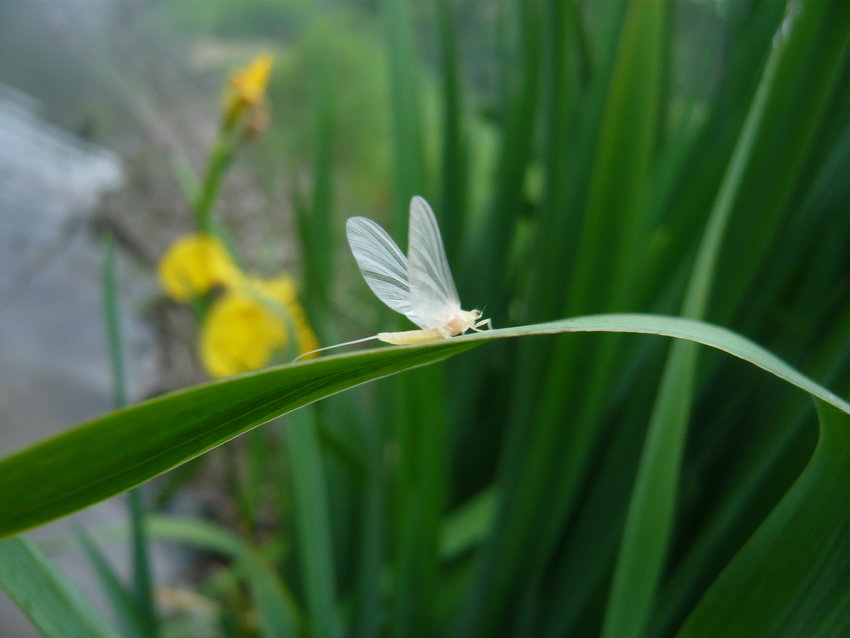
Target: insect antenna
x,y
337,345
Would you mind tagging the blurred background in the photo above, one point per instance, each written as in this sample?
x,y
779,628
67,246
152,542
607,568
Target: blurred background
x,y
105,106
573,152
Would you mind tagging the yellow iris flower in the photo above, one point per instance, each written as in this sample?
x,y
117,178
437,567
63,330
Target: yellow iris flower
x,y
283,291
239,334
250,321
248,324
194,265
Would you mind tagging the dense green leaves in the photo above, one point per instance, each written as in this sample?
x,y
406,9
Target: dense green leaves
x,y
621,156
648,526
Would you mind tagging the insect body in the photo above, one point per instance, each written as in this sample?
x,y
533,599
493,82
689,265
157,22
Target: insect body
x,y
419,285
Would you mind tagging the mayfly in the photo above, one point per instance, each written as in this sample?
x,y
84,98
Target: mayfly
x,y
419,286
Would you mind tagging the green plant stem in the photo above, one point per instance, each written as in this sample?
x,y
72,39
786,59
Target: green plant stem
x,y
223,151
240,490
142,579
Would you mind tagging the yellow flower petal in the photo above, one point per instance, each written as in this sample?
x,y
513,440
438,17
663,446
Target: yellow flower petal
x,y
247,87
239,334
283,291
194,264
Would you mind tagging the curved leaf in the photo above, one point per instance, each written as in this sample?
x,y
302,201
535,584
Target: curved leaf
x,y
803,592
120,450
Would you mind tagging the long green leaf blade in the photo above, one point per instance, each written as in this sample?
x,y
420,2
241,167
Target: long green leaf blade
x,y
118,451
120,600
44,594
314,528
142,578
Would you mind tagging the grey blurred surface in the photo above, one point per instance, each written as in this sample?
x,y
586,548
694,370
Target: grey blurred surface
x,y
54,365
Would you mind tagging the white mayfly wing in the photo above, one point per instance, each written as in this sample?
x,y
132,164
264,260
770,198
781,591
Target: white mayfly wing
x,y
383,265
433,296
419,286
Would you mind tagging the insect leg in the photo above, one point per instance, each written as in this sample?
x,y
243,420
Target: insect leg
x,y
483,322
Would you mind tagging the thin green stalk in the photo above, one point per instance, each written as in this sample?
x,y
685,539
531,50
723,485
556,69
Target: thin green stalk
x,y
142,579
557,220
240,491
451,213
485,265
367,613
409,146
421,486
322,236
219,160
113,325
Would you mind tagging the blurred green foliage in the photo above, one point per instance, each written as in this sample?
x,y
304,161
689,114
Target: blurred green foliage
x,y
340,59
237,19
583,157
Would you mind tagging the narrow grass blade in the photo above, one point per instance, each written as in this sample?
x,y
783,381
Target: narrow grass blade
x,y
468,524
45,595
420,492
810,51
557,222
485,265
315,219
409,146
454,151
367,617
142,580
185,176
121,601
271,598
112,323
314,546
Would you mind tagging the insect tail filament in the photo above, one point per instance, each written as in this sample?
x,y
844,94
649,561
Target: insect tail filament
x,y
337,345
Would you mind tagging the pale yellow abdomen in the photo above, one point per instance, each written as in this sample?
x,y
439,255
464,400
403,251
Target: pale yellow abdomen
x,y
409,337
